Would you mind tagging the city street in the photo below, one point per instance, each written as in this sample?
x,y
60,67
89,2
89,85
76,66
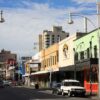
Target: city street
x,y
49,49
19,93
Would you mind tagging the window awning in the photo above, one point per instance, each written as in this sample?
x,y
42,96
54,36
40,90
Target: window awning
x,y
80,65
26,75
67,68
39,72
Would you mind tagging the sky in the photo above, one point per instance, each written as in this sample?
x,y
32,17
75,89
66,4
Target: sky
x,y
26,19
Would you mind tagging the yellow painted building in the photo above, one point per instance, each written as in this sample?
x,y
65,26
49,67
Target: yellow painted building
x,y
50,58
49,66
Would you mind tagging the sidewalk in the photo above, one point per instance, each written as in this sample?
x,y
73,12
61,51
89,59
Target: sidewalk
x,y
92,97
95,97
32,87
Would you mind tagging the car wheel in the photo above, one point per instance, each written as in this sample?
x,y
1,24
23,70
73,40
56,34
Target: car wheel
x,y
69,93
63,93
57,92
83,95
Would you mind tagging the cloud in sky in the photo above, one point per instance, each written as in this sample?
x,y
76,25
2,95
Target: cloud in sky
x,y
85,1
25,20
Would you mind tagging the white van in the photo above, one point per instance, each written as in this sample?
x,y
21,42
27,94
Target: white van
x,y
72,87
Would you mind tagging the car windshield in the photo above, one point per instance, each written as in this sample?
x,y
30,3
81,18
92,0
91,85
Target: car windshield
x,y
58,85
72,84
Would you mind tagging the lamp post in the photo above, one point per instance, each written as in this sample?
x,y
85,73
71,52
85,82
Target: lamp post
x,y
70,21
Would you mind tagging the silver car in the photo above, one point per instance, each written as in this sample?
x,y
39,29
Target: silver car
x,y
57,89
6,83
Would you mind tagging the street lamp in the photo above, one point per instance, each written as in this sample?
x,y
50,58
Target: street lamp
x,y
1,15
70,21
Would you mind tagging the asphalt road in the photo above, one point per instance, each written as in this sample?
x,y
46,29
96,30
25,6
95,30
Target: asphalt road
x,y
16,93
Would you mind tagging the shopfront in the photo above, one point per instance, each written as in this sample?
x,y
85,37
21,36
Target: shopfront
x,y
87,74
86,59
43,78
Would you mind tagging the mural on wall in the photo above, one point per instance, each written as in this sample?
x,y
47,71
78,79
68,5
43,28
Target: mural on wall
x,y
65,51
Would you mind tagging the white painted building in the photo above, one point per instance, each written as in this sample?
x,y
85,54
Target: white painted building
x,y
66,52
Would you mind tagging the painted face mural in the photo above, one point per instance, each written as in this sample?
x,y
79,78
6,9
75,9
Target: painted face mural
x,y
65,50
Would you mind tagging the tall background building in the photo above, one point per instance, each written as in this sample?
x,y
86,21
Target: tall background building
x,y
7,61
48,38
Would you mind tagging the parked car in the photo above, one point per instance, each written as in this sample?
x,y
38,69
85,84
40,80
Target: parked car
x,y
72,88
6,83
56,89
1,84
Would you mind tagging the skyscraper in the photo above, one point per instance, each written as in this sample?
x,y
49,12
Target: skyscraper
x,y
48,38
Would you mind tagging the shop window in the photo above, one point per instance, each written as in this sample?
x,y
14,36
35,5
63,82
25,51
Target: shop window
x,y
45,66
81,55
76,56
45,63
95,51
94,75
55,60
87,73
49,61
88,52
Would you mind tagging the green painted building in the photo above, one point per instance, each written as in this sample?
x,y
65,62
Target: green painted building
x,y
86,55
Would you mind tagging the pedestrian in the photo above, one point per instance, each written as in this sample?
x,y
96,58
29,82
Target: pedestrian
x,y
36,86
